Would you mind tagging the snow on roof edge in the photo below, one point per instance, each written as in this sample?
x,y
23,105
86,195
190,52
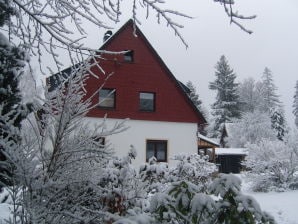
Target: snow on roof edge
x,y
231,151
208,139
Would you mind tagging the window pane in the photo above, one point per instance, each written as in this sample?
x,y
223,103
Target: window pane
x,y
150,150
107,98
146,101
161,151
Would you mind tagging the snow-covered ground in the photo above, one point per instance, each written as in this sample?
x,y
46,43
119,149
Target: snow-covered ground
x,y
282,205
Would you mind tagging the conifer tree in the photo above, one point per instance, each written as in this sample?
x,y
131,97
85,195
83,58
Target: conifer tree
x,y
295,104
226,106
12,61
270,98
193,95
278,123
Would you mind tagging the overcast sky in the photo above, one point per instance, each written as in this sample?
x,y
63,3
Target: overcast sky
x,y
273,44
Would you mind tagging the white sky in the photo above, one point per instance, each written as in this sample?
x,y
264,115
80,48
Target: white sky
x,y
274,43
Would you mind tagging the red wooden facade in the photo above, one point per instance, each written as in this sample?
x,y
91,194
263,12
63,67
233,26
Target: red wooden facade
x,y
146,73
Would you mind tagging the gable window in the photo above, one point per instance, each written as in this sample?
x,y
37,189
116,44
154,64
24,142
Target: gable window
x,y
128,56
147,101
107,98
158,149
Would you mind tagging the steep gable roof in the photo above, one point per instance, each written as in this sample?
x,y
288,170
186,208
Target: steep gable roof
x,y
56,79
180,86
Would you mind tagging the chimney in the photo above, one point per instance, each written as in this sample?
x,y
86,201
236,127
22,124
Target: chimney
x,y
107,35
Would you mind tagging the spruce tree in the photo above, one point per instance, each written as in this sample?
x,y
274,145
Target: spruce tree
x,y
278,123
226,106
295,104
12,61
193,95
270,98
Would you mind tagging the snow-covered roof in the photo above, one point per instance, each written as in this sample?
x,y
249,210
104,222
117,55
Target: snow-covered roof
x,y
213,141
231,151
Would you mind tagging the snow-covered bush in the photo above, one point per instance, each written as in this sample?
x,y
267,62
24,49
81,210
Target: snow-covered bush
x,y
273,165
224,203
193,168
155,175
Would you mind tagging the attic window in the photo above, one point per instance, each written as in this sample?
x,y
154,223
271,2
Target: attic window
x,y
107,98
147,101
128,56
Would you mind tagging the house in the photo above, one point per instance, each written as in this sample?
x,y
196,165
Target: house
x,y
163,121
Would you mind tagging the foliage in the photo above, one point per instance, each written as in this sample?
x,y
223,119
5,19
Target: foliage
x,y
226,106
193,168
58,161
184,203
250,95
273,165
12,62
278,123
193,95
251,128
295,104
270,98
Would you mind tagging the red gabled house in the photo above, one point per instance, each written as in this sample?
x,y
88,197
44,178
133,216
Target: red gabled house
x,y
163,120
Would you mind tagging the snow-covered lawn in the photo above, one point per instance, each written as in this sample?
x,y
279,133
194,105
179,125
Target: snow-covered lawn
x,y
282,205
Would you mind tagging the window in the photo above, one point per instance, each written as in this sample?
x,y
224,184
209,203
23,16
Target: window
x,y
107,98
147,101
158,149
128,56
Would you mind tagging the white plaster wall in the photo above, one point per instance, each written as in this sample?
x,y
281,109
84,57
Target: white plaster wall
x,y
181,137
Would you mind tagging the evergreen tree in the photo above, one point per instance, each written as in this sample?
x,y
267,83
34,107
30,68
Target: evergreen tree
x,y
193,95
12,61
295,104
270,98
226,106
278,123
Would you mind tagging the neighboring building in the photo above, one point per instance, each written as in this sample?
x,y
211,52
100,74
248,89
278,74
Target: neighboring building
x,y
229,159
207,145
163,121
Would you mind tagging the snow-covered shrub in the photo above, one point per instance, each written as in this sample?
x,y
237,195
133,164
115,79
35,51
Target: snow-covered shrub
x,y
193,168
183,202
232,205
155,175
273,165
122,189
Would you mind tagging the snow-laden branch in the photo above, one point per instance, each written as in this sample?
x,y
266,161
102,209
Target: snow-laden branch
x,y
51,24
235,16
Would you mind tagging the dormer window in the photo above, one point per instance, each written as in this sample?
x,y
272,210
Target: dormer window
x,y
128,56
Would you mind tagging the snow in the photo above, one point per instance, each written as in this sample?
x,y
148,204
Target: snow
x,y
231,151
281,205
208,139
